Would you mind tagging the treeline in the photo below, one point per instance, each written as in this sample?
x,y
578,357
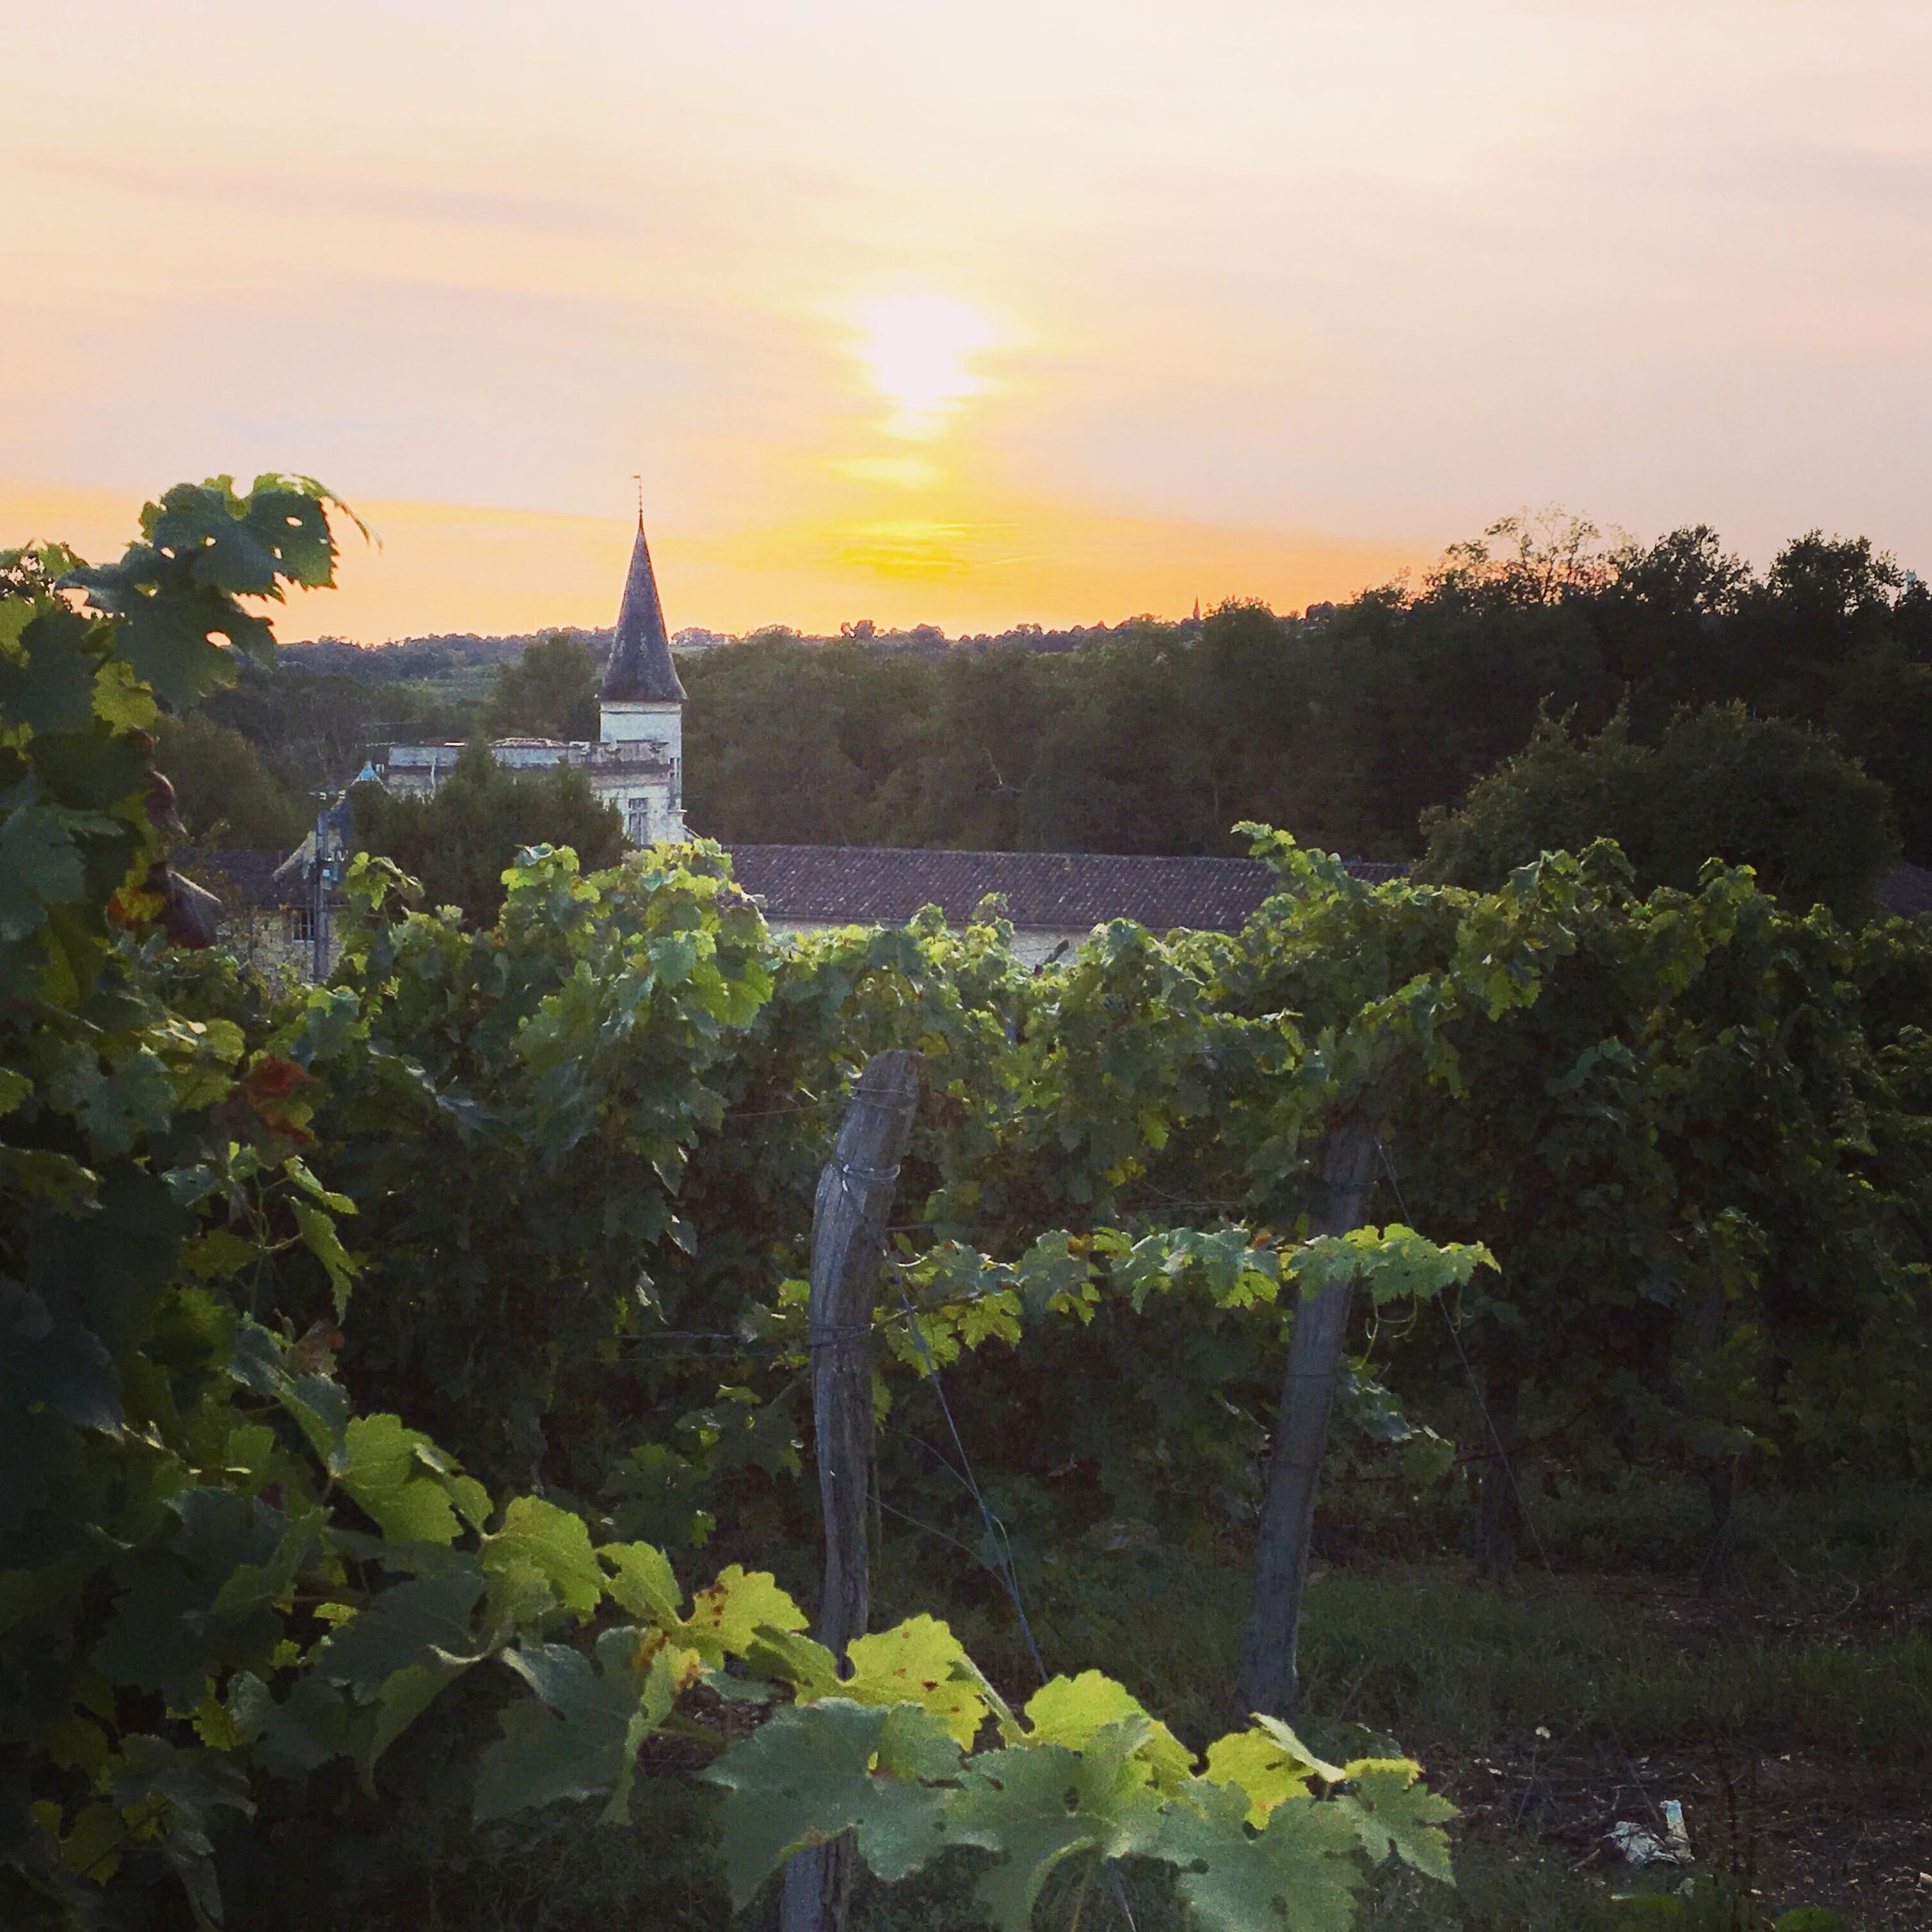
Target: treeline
x,y
1358,725
1346,724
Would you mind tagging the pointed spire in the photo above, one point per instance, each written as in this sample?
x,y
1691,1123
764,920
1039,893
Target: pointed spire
x,y
641,670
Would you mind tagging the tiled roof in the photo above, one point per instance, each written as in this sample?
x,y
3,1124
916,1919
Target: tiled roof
x,y
1906,890
641,669
1064,891
240,875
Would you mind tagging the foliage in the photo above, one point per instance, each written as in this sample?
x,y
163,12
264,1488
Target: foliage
x,y
459,842
223,794
1345,723
551,691
1758,792
313,731
219,1571
541,1179
1261,1834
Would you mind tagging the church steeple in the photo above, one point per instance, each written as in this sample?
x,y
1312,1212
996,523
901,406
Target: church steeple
x,y
641,670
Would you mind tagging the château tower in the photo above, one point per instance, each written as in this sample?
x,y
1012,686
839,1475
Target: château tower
x,y
642,706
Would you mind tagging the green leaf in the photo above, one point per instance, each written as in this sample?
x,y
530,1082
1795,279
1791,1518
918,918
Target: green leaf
x,y
401,1700
1261,1767
296,1734
177,1793
1395,1814
793,1658
919,1662
319,1238
537,1536
120,700
1070,1710
814,1770
297,1171
1293,1745
645,1584
40,866
423,1620
398,1475
579,1738
1034,1805
53,689
1299,1874
1392,1263
726,1615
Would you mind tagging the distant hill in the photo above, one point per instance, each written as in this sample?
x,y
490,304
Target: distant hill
x,y
463,654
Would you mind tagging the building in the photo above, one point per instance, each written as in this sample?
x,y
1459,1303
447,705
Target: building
x,y
1053,899
268,917
637,764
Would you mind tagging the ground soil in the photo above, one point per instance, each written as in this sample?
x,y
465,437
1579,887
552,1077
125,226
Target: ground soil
x,y
1808,1828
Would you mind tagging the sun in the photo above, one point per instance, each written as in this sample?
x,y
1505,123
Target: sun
x,y
917,350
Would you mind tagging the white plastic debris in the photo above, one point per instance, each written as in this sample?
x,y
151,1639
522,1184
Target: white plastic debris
x,y
1641,1847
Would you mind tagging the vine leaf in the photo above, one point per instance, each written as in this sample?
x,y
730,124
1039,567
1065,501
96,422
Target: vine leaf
x,y
579,1737
302,1731
1070,1710
1395,1814
814,1770
919,1662
1299,1872
537,1537
1035,1805
404,1482
1266,1771
795,1659
408,1622
319,1238
726,1615
645,1585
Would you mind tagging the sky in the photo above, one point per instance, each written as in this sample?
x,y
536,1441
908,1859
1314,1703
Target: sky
x,y
922,311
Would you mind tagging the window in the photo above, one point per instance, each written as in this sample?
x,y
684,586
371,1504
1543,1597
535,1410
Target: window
x,y
298,925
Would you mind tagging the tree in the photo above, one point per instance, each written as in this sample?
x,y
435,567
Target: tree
x,y
460,842
223,794
1721,784
551,691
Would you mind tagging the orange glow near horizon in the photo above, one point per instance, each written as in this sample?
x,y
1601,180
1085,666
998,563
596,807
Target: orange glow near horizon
x,y
965,313
508,572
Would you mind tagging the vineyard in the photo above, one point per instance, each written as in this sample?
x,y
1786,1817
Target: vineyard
x,y
408,1491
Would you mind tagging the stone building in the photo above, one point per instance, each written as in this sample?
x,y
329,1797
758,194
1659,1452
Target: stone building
x,y
636,766
268,915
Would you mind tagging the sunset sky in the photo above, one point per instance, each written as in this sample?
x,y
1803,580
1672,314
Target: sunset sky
x,y
964,313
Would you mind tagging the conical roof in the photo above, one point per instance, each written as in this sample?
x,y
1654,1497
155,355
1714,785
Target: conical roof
x,y
641,670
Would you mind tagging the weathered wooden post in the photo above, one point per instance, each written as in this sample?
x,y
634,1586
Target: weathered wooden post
x,y
855,1194
1269,1682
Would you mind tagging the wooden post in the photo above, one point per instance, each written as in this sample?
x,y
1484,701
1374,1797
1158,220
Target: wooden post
x,y
1269,1682
855,1194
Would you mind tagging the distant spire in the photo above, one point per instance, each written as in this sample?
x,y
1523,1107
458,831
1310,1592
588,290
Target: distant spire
x,y
641,671
1197,601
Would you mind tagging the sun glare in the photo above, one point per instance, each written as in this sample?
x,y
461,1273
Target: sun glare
x,y
917,350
